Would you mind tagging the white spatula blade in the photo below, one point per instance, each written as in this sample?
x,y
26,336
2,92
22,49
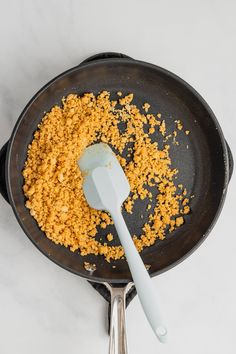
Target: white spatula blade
x,y
106,187
105,184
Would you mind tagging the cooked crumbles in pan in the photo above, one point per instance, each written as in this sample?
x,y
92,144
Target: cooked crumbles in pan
x,y
53,181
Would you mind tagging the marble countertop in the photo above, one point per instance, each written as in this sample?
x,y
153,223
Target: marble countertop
x,y
45,309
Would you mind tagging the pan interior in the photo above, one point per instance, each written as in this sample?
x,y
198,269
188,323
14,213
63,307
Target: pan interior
x,y
198,157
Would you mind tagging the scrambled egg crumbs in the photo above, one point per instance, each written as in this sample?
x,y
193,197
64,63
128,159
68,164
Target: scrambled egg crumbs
x,y
53,181
146,107
90,267
163,128
179,124
109,237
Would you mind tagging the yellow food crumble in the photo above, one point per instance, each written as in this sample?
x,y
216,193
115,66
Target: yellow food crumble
x,y
53,181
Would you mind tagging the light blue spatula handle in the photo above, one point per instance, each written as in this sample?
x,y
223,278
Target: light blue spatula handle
x,y
143,283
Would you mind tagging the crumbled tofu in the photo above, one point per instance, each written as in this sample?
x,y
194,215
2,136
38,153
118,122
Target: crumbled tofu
x,y
126,100
151,131
109,237
53,181
186,209
179,125
162,128
146,107
90,267
179,221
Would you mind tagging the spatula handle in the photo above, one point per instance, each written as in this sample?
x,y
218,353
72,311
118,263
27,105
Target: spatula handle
x,y
143,283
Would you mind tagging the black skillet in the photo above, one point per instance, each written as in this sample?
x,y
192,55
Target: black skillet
x,y
203,159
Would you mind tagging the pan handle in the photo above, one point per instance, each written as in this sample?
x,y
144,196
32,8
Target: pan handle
x,y
105,55
3,188
118,340
231,161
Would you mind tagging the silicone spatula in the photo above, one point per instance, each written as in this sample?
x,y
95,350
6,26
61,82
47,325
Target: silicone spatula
x,y
106,187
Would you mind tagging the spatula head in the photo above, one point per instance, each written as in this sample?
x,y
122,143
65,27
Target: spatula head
x,y
105,184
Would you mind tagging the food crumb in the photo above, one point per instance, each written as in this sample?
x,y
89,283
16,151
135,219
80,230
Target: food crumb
x,y
151,130
187,132
126,100
179,124
186,209
64,209
103,225
179,221
147,266
185,201
60,177
109,237
129,205
146,107
162,128
119,93
167,138
90,267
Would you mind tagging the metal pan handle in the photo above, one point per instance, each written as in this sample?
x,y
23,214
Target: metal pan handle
x,y
105,55
118,340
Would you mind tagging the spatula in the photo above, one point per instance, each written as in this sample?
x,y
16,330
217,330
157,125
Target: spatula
x,y
106,188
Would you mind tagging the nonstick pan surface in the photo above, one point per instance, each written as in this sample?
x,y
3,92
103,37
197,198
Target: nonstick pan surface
x,y
202,158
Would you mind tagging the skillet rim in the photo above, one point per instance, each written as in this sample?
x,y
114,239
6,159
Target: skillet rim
x,y
144,65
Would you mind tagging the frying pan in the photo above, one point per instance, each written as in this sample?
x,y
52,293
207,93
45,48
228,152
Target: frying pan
x,y
203,159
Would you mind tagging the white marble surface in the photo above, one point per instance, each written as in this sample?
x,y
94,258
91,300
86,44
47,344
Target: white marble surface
x,y
44,309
